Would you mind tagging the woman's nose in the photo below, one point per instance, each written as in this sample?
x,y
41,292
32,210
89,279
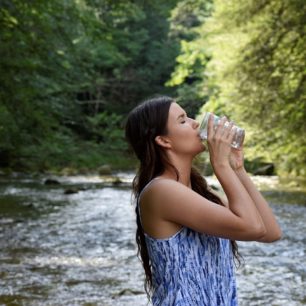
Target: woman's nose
x,y
195,124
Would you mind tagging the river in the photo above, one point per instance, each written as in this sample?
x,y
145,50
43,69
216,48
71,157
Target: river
x,y
78,248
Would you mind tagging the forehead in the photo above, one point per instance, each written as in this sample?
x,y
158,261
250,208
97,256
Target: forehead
x,y
175,110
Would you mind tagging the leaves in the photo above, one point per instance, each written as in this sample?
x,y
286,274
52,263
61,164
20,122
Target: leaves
x,y
255,74
65,64
270,96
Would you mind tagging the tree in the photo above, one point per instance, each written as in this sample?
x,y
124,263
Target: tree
x,y
38,70
189,74
68,66
138,33
258,72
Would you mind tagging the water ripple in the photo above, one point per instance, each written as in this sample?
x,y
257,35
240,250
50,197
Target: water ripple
x,y
79,249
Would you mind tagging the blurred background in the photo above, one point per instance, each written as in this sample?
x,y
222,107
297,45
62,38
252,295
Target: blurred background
x,y
70,72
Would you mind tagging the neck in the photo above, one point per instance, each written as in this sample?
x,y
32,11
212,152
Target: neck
x,y
183,165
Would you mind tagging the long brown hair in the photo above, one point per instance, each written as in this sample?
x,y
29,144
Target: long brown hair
x,y
144,123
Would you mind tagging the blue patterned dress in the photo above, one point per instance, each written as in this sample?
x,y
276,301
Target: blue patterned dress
x,y
192,269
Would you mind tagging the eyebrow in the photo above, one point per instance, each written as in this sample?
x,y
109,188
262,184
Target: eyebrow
x,y
181,116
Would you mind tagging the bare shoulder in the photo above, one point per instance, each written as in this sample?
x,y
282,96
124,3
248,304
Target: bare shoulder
x,y
154,201
168,198
163,190
164,196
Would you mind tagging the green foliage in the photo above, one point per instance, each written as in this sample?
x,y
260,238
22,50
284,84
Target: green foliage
x,y
189,74
107,128
138,34
64,150
38,70
69,71
259,65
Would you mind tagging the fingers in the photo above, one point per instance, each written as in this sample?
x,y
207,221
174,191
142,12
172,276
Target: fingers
x,y
231,132
225,129
221,127
212,130
210,127
219,139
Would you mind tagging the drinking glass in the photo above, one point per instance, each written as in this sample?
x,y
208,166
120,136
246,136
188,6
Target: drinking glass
x,y
239,132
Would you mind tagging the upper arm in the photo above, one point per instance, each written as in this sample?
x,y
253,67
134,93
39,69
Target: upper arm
x,y
223,198
174,202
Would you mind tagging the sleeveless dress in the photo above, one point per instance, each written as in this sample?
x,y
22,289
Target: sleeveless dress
x,y
191,269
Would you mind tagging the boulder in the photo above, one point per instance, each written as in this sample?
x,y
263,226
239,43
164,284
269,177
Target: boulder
x,y
117,181
68,171
84,170
105,170
51,182
71,191
267,169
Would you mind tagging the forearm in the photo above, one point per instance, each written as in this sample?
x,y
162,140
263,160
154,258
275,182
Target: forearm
x,y
239,200
272,227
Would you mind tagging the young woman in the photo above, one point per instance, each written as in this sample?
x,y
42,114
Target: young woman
x,y
185,233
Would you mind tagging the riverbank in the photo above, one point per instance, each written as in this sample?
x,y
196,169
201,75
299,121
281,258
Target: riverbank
x,y
106,176
108,165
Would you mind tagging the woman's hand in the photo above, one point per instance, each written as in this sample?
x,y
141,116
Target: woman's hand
x,y
219,141
237,159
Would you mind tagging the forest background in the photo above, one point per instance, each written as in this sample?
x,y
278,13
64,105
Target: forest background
x,y
71,70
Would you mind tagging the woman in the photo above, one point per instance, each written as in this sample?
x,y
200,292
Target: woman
x,y
185,233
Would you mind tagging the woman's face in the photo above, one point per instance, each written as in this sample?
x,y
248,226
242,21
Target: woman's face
x,y
183,132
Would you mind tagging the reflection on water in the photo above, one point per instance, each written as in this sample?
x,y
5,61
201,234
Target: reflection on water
x,y
78,249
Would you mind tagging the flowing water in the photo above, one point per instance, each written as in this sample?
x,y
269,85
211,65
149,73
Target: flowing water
x,y
78,248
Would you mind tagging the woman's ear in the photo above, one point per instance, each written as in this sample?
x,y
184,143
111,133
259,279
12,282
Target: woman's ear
x,y
163,142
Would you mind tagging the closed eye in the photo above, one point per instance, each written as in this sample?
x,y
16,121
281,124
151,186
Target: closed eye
x,y
182,118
